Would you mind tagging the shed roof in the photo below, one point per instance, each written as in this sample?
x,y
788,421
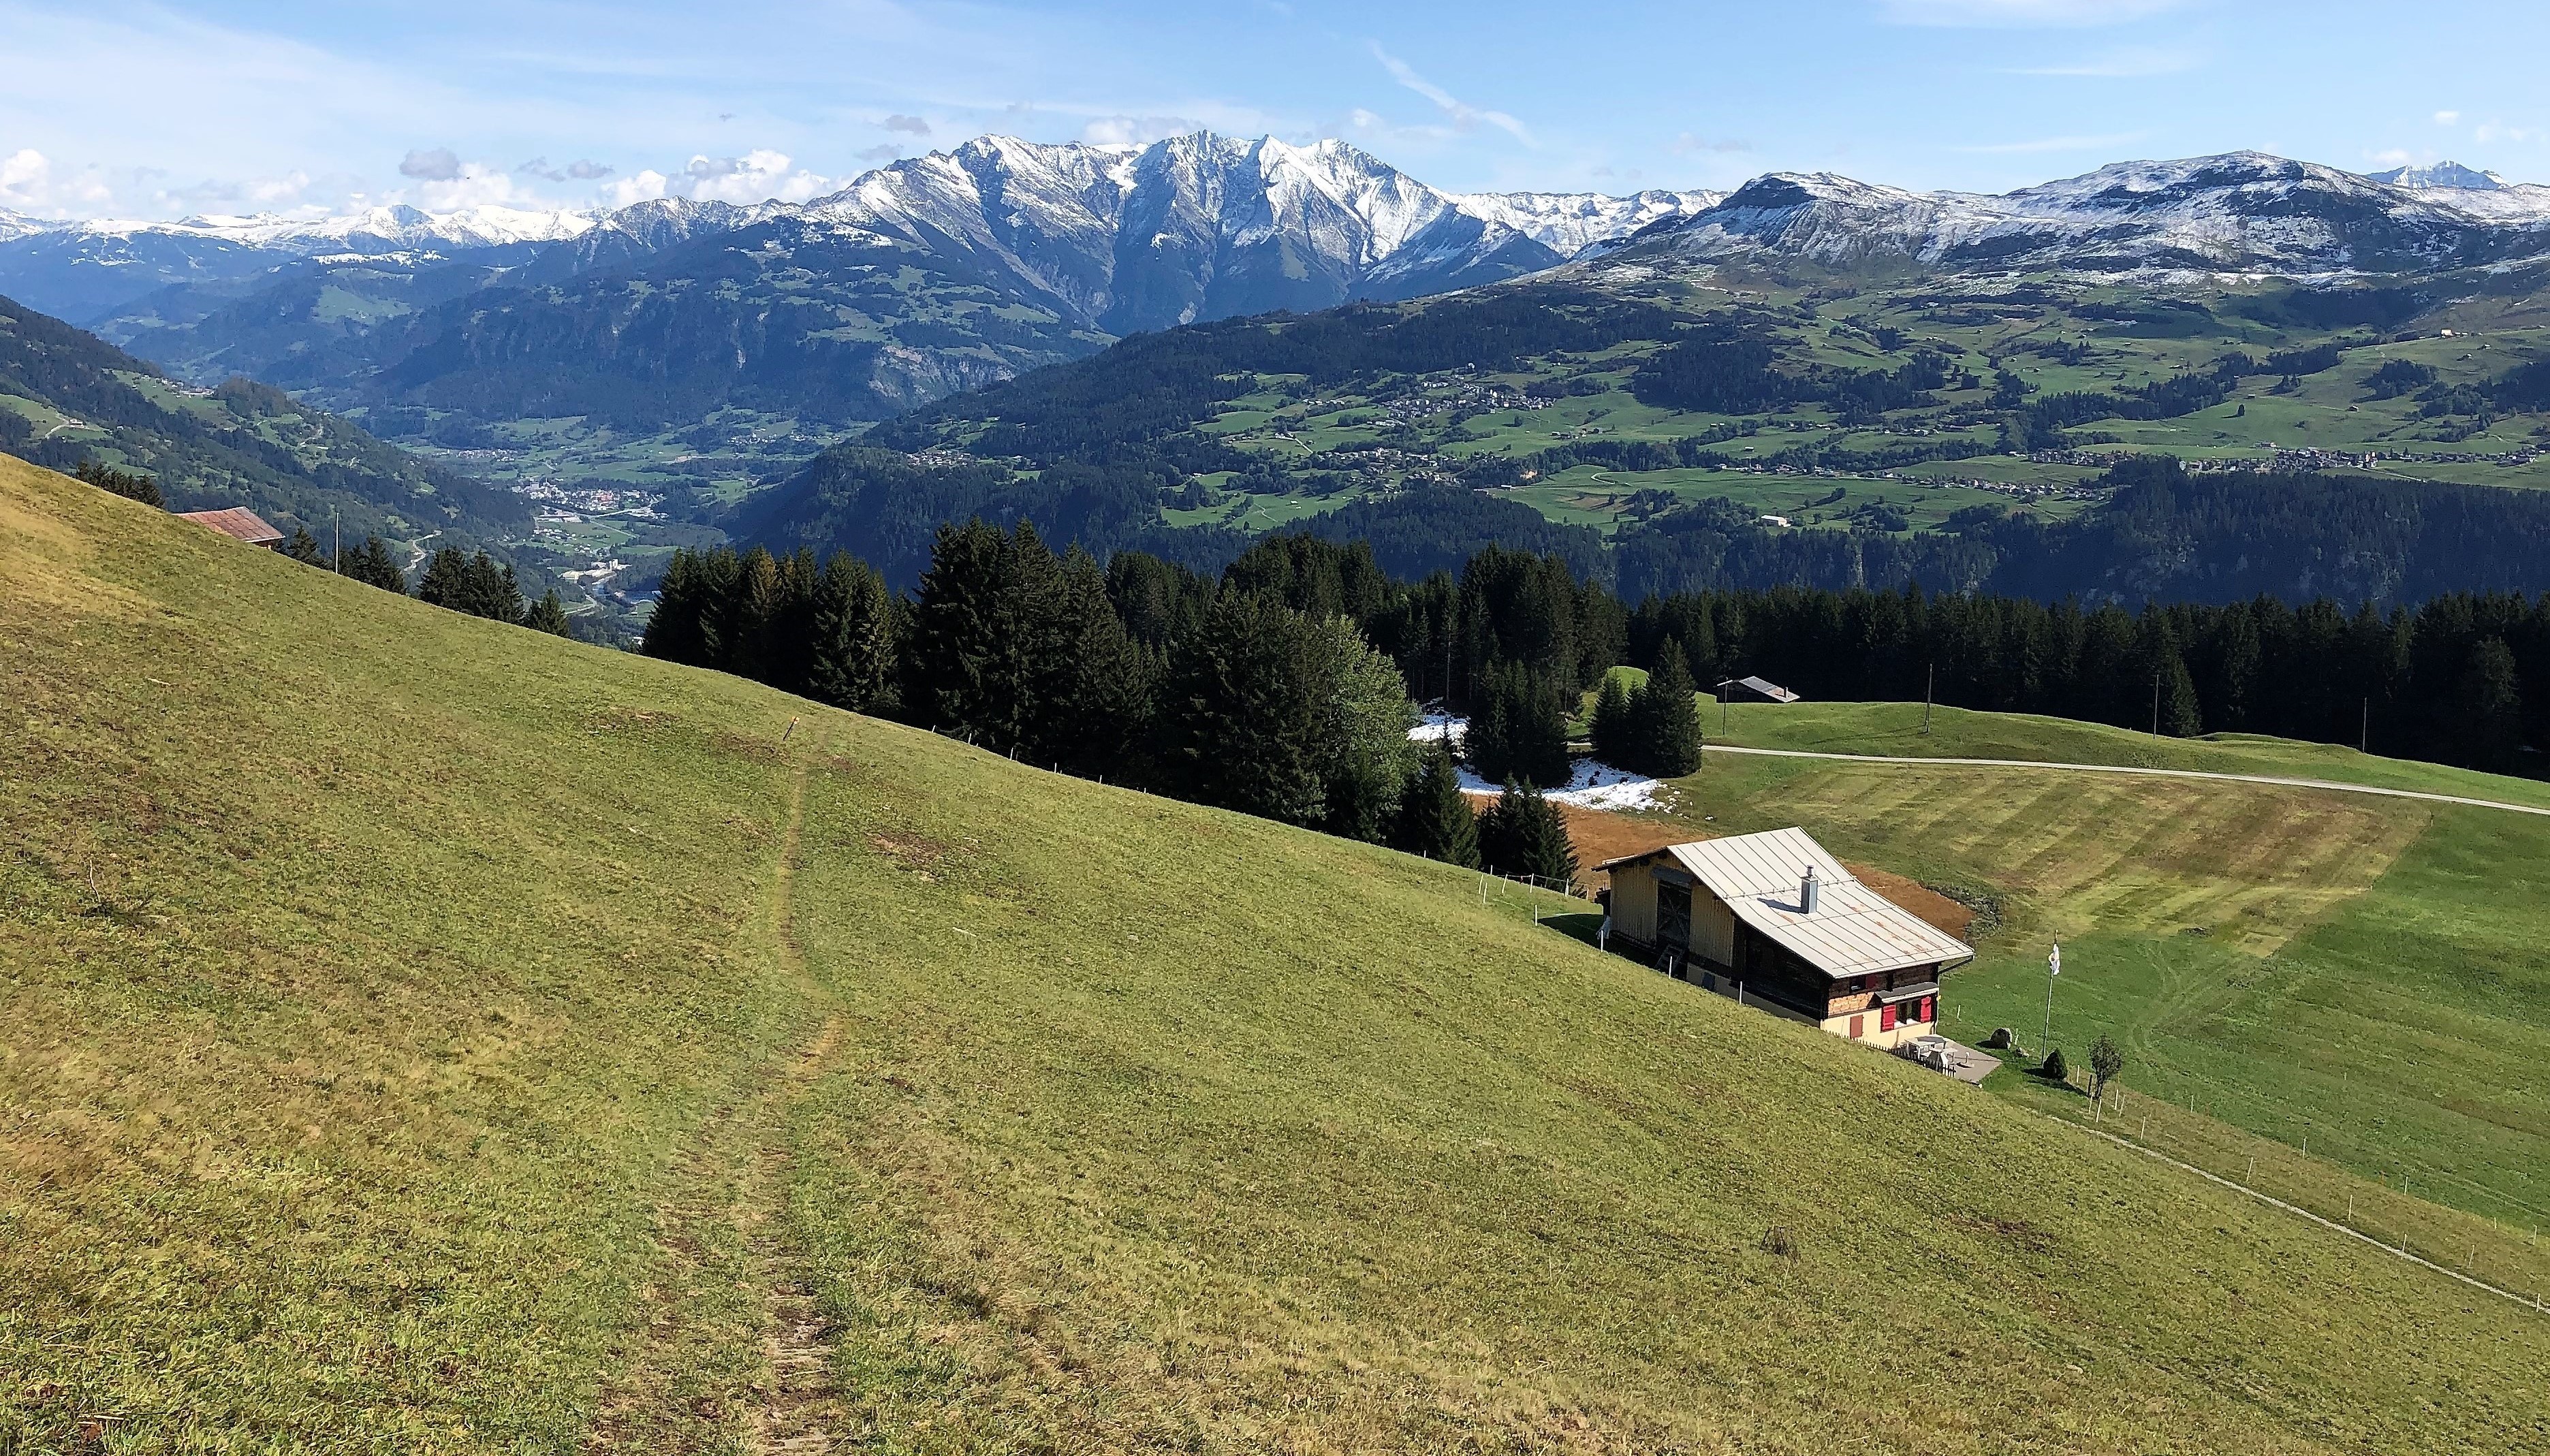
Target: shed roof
x,y
1764,686
1854,931
239,522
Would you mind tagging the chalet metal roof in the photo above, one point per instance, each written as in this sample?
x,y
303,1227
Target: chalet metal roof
x,y
239,522
1854,931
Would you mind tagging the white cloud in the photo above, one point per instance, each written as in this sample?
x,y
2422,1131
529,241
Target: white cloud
x,y
1464,117
1691,142
436,165
2448,118
645,187
758,175
911,124
2022,14
2056,143
1137,131
28,183
2500,132
583,169
2394,156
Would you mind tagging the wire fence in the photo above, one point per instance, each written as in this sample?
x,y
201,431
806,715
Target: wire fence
x,y
2500,1245
1542,894
2508,1254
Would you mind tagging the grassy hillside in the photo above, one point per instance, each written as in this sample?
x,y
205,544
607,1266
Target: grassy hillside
x,y
2350,972
417,1033
1895,729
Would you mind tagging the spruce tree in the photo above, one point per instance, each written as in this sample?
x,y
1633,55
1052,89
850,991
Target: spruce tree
x,y
1666,718
1523,833
374,565
1611,726
1244,711
1436,819
1520,729
1093,681
303,546
676,627
973,665
549,615
851,623
445,580
2490,707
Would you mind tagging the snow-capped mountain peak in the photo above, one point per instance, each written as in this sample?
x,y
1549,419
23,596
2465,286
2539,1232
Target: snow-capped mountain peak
x,y
2442,174
2235,211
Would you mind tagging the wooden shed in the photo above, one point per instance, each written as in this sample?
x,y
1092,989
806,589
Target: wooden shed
x,y
1773,919
239,522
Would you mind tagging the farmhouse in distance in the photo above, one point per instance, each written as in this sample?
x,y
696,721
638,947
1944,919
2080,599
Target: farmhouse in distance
x,y
1775,919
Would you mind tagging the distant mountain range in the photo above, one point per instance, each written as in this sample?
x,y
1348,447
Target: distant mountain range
x,y
948,271
2244,212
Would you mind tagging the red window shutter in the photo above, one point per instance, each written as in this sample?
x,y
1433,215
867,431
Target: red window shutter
x,y
1854,1024
1886,1019
1929,1007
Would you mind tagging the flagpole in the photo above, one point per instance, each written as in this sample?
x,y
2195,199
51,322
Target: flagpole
x,y
2053,968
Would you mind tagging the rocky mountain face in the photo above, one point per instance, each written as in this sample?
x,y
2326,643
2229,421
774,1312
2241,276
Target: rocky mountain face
x,y
2241,212
921,278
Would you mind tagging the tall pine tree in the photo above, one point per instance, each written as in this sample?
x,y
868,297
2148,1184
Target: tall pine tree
x,y
1523,834
1665,718
1436,819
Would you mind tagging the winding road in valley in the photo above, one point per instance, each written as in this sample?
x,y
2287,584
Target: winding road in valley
x,y
2163,773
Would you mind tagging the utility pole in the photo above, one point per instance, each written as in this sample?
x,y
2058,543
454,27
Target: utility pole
x,y
1929,690
337,530
2155,702
2364,729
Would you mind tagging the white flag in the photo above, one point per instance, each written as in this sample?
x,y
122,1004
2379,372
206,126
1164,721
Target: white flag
x,y
2055,962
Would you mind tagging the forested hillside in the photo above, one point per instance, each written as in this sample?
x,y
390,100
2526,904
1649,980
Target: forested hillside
x,y
67,397
1692,426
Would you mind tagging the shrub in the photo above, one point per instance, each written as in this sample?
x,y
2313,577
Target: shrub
x,y
2054,1069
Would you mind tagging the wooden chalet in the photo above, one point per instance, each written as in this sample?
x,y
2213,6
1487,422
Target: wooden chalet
x,y
1774,921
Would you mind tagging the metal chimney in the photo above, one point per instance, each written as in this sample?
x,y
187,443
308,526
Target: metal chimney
x,y
1807,887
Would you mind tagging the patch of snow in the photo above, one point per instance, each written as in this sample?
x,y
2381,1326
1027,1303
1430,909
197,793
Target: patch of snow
x,y
1432,726
1591,783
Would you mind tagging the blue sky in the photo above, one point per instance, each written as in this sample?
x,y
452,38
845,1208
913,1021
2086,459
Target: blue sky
x,y
141,110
